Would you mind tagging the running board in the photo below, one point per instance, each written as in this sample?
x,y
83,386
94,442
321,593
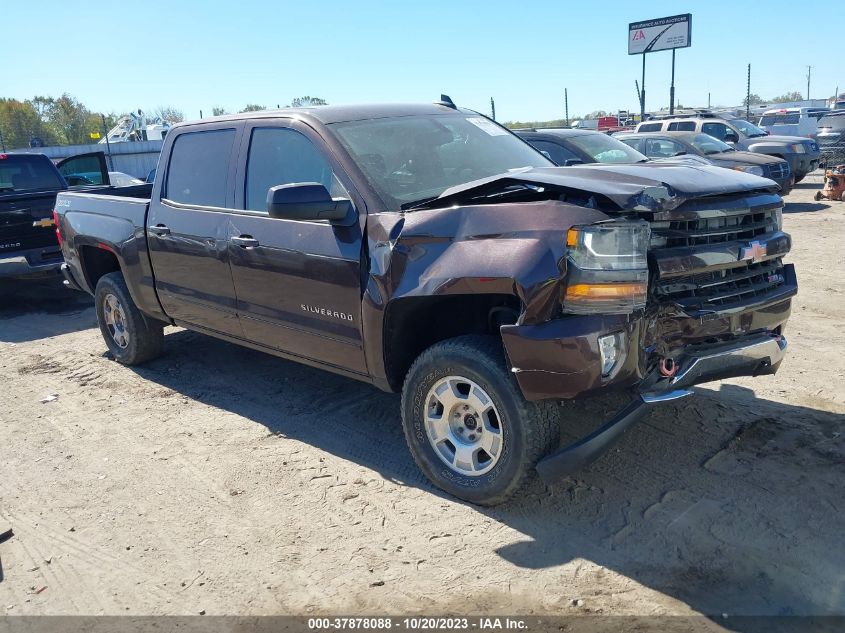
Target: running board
x,y
579,454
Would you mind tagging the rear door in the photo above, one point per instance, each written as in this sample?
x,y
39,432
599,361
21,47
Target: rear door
x,y
187,229
298,283
84,170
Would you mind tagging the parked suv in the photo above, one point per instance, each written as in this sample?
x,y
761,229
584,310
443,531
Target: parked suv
x,y
802,154
831,138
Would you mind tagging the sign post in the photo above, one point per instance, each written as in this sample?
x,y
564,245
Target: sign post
x,y
661,34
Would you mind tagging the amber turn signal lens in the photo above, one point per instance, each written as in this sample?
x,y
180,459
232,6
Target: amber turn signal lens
x,y
572,237
602,292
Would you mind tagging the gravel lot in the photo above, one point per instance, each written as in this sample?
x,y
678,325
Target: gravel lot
x,y
223,480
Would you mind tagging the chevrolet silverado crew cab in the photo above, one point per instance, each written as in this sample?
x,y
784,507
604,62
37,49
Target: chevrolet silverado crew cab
x,y
28,187
801,153
425,249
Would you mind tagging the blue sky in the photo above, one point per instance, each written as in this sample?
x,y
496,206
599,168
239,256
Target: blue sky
x,y
117,56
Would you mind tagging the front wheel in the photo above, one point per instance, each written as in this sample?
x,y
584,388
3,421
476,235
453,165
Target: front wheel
x,y
467,425
131,337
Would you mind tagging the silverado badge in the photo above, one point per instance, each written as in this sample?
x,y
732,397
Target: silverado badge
x,y
754,252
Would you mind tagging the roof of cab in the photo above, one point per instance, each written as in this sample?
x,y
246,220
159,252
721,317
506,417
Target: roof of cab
x,y
339,113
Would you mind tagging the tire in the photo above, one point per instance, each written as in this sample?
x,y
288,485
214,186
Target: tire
x,y
818,196
519,432
799,178
842,196
131,337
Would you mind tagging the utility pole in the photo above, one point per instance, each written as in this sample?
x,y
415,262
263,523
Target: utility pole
x,y
492,109
200,114
566,104
809,73
708,100
748,95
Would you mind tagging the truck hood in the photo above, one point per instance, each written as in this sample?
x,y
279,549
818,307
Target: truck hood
x,y
652,186
777,138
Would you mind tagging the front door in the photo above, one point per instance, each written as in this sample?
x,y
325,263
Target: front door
x,y
298,283
187,228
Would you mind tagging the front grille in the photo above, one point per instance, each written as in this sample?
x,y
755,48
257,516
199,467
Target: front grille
x,y
722,289
717,229
779,170
719,278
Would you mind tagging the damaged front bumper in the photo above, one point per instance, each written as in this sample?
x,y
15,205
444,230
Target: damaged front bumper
x,y
561,360
761,354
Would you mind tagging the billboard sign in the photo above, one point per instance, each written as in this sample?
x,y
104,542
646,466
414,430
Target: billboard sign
x,y
660,35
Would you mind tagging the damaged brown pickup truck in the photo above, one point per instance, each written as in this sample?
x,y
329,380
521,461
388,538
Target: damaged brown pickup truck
x,y
425,249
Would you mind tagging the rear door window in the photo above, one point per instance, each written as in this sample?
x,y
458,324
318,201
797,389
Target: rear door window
x,y
199,165
650,127
682,126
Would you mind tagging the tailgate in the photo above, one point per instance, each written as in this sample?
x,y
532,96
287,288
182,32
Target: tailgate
x,y
26,222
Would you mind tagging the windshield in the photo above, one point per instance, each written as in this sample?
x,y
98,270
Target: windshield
x,y
709,145
19,172
606,149
749,129
414,158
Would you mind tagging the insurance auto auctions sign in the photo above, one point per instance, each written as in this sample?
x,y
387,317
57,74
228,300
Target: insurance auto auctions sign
x,y
660,35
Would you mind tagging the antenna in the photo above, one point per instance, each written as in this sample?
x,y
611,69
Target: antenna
x,y
446,100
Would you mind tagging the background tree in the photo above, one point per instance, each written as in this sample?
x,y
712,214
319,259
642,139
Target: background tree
x,y
752,99
304,102
218,111
19,122
789,96
253,107
169,113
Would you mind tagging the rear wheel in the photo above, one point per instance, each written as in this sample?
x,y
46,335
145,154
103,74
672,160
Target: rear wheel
x,y
131,337
467,425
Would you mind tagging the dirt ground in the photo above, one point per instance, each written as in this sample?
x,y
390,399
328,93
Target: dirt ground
x,y
223,480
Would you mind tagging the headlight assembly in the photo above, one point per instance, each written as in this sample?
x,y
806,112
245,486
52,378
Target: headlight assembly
x,y
609,268
754,170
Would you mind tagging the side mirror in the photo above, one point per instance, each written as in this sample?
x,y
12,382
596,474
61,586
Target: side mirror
x,y
569,162
308,201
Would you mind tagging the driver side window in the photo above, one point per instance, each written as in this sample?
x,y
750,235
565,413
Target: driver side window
x,y
281,156
716,130
663,148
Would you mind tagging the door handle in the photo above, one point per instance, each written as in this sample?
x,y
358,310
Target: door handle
x,y
160,229
244,241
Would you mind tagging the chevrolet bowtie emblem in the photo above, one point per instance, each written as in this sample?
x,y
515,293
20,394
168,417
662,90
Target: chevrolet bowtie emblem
x,y
45,223
754,252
